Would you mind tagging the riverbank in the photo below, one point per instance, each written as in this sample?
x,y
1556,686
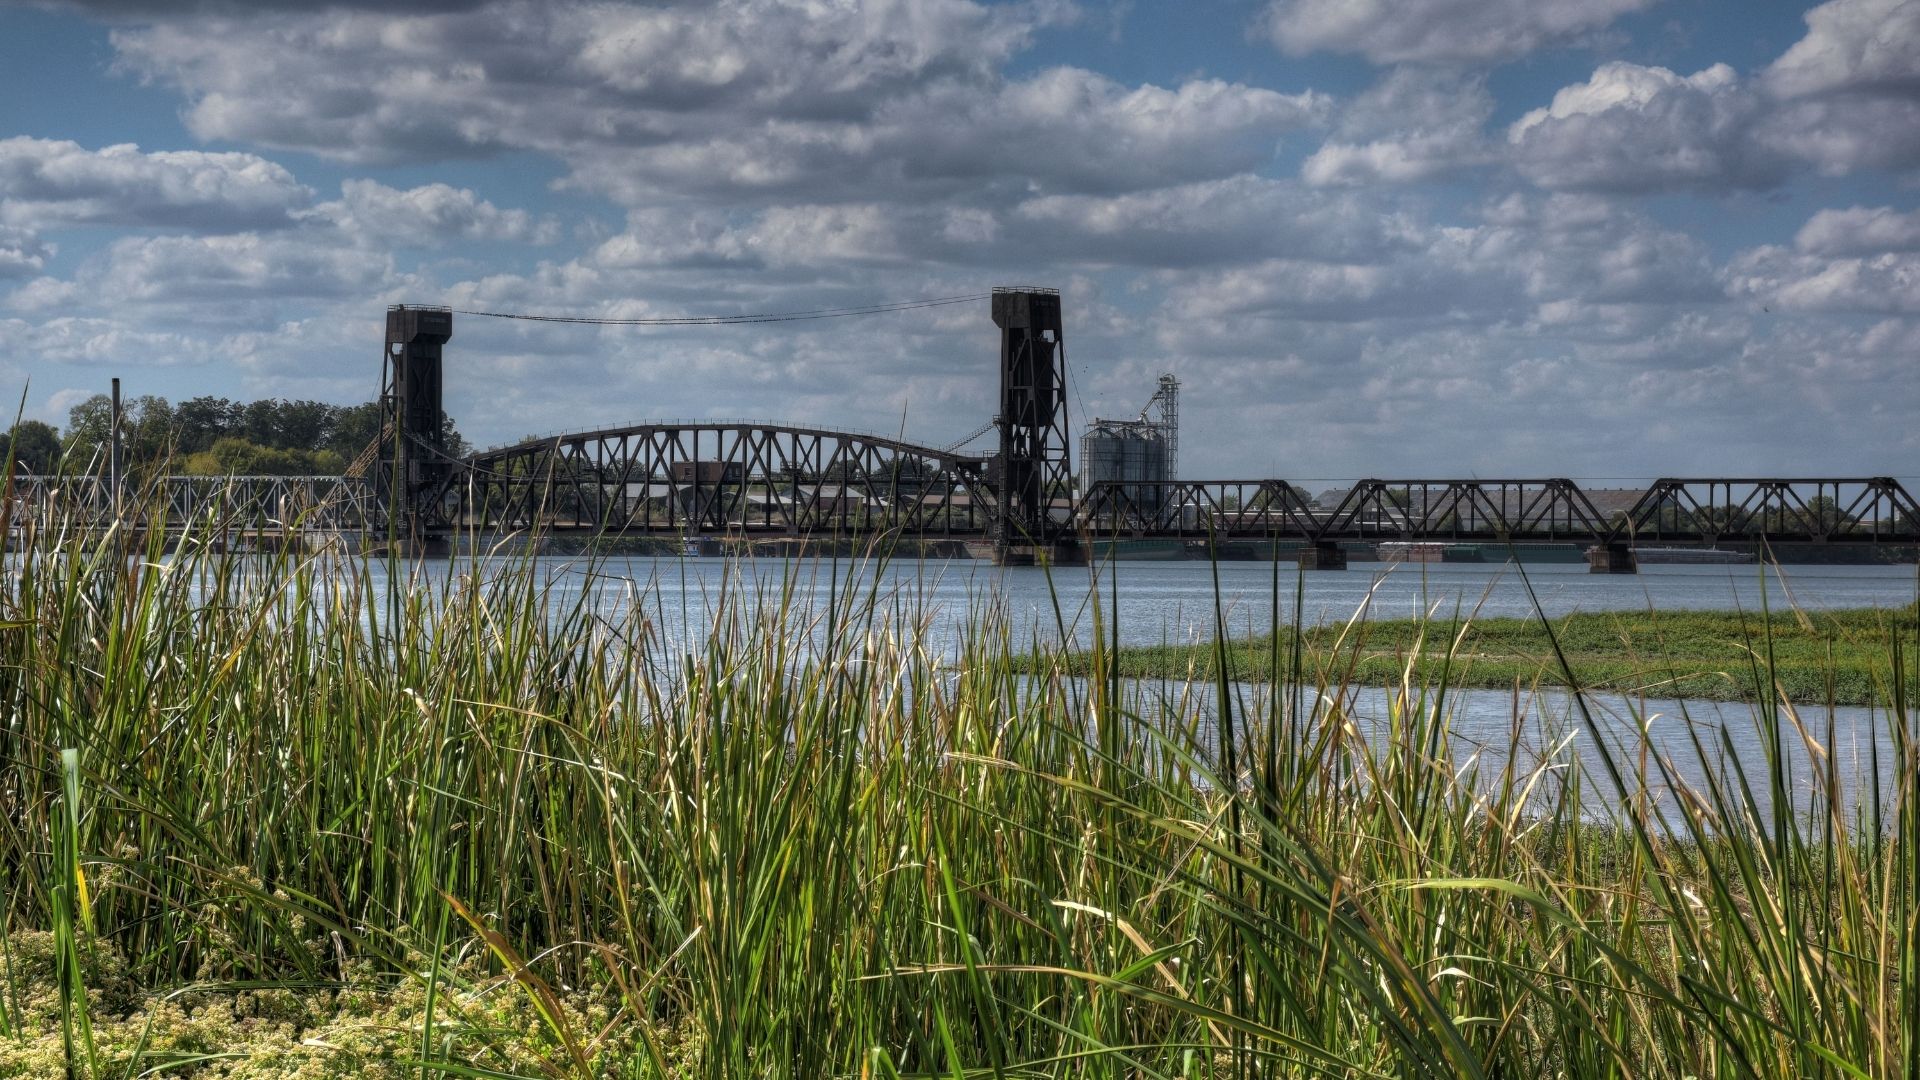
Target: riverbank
x,y
303,815
1813,658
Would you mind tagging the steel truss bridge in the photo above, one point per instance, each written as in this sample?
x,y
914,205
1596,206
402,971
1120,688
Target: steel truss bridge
x,y
259,505
755,480
1697,511
752,480
761,480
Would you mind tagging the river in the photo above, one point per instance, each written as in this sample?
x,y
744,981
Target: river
x,y
1175,602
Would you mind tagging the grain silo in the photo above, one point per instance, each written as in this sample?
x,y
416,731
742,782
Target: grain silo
x,y
1137,454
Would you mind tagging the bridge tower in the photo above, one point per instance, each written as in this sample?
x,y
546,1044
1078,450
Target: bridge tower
x,y
1033,468
414,466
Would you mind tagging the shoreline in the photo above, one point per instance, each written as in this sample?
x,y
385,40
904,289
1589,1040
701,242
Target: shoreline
x,y
1840,657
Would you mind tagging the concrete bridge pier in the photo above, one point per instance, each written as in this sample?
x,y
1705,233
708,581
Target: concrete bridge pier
x,y
1323,555
1068,552
419,546
1611,559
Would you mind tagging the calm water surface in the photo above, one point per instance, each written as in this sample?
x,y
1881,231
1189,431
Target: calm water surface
x,y
1175,602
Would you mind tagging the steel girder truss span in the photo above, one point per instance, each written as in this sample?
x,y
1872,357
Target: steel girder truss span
x,y
268,503
1872,510
726,478
775,480
1705,511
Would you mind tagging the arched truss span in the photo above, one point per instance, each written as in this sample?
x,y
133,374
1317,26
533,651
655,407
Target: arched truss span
x,y
725,477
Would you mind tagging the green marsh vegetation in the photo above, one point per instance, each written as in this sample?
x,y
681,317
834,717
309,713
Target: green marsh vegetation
x,y
314,814
1816,657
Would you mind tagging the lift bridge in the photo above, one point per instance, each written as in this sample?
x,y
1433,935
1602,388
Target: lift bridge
x,y
742,482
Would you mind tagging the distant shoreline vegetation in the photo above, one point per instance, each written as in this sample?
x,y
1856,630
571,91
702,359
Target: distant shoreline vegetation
x,y
207,436
1816,657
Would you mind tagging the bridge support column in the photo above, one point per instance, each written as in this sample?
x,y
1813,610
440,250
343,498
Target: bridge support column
x,y
414,467
1067,552
1611,559
1323,555
1032,472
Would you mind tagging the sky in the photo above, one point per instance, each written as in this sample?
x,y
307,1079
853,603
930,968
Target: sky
x,y
1601,239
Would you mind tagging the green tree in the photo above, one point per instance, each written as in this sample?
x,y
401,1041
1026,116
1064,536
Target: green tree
x,y
199,422
146,427
215,435
260,422
287,425
457,445
1265,497
304,425
354,426
236,456
90,423
1823,513
34,447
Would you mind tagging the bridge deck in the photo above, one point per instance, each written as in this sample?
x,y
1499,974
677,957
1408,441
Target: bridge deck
x,y
657,480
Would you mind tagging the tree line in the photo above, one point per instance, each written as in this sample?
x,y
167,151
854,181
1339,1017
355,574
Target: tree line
x,y
207,436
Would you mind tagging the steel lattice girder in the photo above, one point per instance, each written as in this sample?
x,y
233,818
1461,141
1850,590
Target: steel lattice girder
x,y
1866,510
285,503
1860,510
665,479
805,482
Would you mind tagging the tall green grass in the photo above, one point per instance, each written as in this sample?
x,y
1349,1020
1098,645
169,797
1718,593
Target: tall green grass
x,y
1818,656
324,811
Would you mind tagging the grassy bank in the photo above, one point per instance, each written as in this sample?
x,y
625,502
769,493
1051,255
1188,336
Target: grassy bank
x,y
287,817
1842,657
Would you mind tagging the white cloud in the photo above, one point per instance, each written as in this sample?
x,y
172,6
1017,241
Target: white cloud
x,y
21,252
47,182
753,98
1436,31
1859,230
1207,223
235,267
785,52
1849,133
42,294
1580,263
1406,160
1847,95
1299,289
685,239
1790,281
1634,129
1853,45
1210,223
423,85
97,341
816,235
427,216
1415,124
1844,98
1591,254
1063,129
